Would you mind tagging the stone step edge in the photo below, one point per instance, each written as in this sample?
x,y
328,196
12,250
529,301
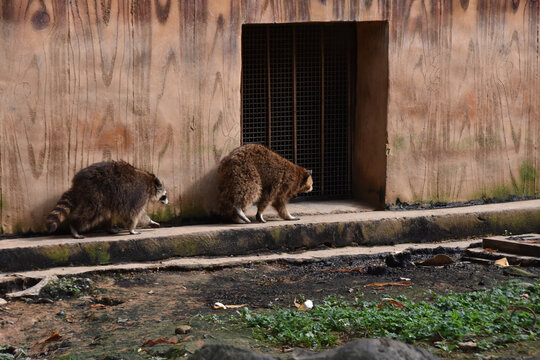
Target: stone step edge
x,y
284,237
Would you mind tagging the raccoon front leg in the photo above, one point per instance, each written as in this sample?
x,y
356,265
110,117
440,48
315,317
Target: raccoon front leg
x,y
280,205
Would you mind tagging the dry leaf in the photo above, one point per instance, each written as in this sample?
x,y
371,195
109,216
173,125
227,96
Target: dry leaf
x,y
346,270
54,336
173,341
97,306
437,260
401,283
150,343
503,262
492,250
395,303
41,345
305,306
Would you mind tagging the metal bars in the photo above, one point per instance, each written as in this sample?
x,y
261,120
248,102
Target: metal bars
x,y
296,85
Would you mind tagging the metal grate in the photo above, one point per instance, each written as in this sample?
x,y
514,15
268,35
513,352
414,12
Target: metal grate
x,y
296,97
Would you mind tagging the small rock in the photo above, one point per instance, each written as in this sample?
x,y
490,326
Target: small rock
x,y
381,349
182,329
109,301
402,259
2,302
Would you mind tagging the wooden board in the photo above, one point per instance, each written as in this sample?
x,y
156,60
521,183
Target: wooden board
x,y
528,244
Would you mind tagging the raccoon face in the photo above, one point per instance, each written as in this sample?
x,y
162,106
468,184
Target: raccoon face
x,y
160,193
307,183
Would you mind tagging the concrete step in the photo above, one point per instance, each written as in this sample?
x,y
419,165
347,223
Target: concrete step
x,y
214,263
360,228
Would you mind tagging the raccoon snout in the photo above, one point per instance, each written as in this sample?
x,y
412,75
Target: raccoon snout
x,y
164,199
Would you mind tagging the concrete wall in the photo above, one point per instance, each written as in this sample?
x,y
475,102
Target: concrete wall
x,y
157,83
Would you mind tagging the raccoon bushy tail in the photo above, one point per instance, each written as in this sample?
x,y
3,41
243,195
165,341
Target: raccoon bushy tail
x,y
60,212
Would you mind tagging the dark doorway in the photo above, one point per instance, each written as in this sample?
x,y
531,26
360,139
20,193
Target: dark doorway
x,y
297,91
317,93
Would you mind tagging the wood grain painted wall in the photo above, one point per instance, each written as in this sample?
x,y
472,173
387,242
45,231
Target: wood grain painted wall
x,y
464,111
157,83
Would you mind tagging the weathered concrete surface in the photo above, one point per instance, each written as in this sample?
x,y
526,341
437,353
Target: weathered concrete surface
x,y
212,263
336,230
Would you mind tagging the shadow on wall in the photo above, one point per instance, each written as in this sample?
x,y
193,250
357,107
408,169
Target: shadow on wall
x,y
198,204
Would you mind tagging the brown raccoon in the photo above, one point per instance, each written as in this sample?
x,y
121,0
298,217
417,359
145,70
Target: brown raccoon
x,y
105,191
255,173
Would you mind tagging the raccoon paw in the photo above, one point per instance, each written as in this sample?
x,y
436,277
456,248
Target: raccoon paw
x,y
78,236
133,232
154,224
238,220
260,218
291,218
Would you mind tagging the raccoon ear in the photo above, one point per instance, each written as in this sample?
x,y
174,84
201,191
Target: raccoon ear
x,y
157,182
310,172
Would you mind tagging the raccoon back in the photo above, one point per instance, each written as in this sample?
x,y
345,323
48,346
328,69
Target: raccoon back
x,y
251,169
115,186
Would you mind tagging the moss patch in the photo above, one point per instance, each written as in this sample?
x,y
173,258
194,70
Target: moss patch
x,y
58,254
528,176
98,253
164,214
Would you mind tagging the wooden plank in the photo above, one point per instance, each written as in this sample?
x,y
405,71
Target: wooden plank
x,y
512,246
513,259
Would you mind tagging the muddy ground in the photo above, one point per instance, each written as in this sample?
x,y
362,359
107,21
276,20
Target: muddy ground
x,y
127,309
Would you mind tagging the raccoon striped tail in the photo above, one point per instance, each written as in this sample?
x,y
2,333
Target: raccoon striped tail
x,y
59,213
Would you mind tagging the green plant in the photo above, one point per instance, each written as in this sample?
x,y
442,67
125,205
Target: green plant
x,y
490,317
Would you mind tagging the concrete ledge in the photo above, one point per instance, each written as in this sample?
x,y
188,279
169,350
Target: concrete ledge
x,y
336,230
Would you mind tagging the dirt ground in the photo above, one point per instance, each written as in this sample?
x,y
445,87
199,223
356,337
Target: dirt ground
x,y
130,308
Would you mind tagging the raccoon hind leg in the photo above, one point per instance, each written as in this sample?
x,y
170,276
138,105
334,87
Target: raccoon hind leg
x,y
264,201
77,223
240,214
145,220
131,221
75,232
109,227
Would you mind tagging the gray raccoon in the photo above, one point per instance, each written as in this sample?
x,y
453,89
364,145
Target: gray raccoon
x,y
105,191
253,173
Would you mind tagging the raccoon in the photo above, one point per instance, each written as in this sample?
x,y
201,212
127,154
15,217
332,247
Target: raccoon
x,y
255,173
105,191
